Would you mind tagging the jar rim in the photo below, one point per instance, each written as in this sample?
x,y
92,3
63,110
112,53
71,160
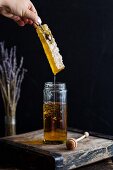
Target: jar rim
x,y
56,85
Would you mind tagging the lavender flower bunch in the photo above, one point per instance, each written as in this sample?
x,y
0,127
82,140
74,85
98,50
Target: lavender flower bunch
x,y
11,77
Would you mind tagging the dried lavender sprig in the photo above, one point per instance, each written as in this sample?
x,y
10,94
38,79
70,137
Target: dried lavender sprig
x,y
14,62
18,85
19,68
2,78
11,77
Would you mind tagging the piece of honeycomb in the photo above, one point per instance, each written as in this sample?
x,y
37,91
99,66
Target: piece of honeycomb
x,y
50,48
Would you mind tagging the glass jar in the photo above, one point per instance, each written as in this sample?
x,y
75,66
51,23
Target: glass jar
x,y
10,124
55,112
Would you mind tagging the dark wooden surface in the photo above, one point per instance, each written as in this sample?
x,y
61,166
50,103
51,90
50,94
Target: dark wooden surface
x,y
27,151
102,165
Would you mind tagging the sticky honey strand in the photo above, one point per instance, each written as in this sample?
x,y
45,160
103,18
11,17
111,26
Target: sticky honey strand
x,y
50,53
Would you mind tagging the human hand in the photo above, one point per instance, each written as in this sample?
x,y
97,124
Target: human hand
x,y
21,11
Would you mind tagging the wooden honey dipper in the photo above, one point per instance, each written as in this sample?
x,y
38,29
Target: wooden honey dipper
x,y
72,142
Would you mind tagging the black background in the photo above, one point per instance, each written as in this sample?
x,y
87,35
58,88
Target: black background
x,y
83,31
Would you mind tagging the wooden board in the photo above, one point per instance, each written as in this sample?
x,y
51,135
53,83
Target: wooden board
x,y
104,165
28,151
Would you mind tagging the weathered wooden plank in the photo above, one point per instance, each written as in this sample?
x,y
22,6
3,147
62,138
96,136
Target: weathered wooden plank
x,y
102,165
29,149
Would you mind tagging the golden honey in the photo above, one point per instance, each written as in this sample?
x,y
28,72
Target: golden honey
x,y
55,129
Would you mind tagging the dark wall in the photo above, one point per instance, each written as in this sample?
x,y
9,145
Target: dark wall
x,y
84,33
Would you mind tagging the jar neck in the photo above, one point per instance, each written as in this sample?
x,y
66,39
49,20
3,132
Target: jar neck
x,y
56,85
